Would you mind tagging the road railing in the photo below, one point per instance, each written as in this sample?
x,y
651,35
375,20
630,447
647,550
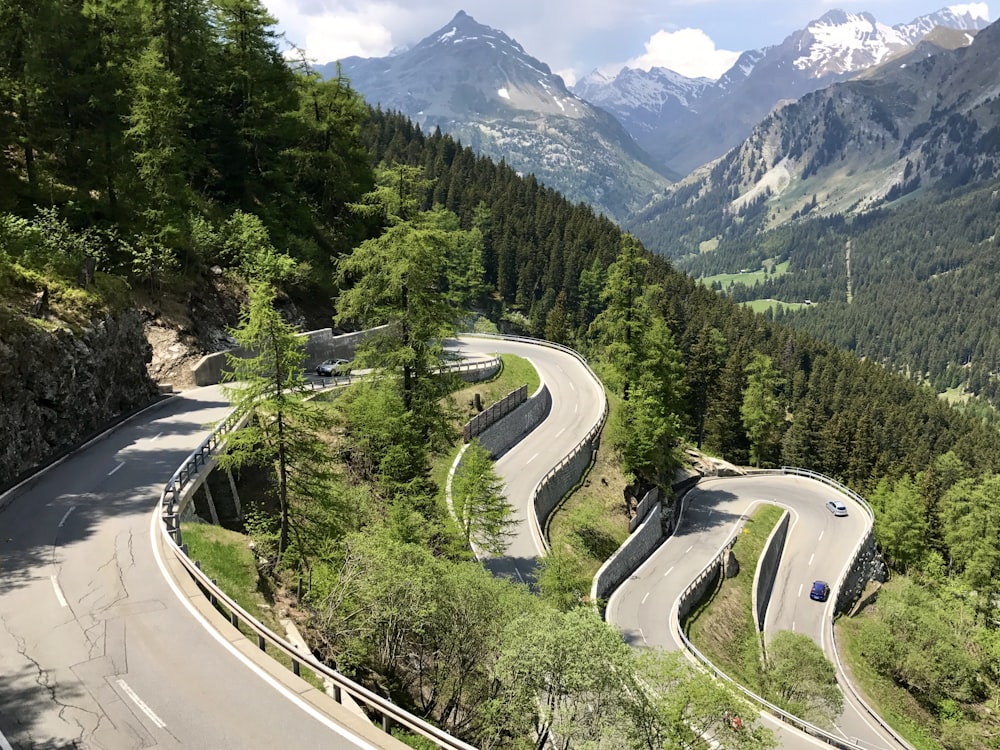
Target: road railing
x,y
389,714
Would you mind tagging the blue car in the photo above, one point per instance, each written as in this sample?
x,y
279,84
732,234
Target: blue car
x,y
820,591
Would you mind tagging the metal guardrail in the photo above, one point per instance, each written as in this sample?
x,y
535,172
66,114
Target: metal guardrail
x,y
390,714
490,416
788,718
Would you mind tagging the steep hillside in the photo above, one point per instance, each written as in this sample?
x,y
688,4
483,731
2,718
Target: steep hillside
x,y
480,86
931,117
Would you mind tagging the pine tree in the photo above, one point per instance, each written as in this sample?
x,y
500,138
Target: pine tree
x,y
268,386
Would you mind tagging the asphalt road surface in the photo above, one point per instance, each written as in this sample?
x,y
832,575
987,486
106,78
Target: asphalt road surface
x,y
96,649
818,547
577,405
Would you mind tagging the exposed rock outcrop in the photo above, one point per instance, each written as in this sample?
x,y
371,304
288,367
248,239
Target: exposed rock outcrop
x,y
57,387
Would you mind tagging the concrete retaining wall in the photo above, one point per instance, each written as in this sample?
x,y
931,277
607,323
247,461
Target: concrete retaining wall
x,y
505,434
553,488
649,501
495,413
629,556
767,569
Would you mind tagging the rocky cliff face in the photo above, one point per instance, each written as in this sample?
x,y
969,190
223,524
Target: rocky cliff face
x,y
56,388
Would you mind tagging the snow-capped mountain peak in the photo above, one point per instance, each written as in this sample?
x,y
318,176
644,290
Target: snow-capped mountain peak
x,y
844,43
969,17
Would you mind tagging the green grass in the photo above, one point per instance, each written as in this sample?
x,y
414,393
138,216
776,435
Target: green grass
x,y
592,522
763,305
890,701
225,558
722,625
746,279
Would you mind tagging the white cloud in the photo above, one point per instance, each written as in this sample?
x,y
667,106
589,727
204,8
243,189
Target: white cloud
x,y
690,52
330,31
568,75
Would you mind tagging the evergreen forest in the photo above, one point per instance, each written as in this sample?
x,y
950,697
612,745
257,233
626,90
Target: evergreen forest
x,y
149,145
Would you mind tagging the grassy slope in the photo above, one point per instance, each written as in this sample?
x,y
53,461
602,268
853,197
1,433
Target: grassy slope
x,y
722,625
890,701
226,559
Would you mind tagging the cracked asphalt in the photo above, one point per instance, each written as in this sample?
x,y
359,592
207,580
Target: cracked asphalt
x,y
96,650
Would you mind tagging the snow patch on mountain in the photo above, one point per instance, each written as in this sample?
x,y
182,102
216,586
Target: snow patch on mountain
x,y
846,43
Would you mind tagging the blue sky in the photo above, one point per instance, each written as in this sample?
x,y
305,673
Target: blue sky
x,y
693,37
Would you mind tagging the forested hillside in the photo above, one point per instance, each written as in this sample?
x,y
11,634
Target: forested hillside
x,y
153,148
923,294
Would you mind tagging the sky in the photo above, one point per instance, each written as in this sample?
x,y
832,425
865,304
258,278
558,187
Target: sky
x,y
575,37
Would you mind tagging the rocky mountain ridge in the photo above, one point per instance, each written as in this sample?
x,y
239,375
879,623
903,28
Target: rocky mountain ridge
x,y
929,118
480,86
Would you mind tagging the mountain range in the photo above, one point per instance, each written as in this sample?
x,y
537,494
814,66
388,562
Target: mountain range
x,y
686,122
619,142
928,118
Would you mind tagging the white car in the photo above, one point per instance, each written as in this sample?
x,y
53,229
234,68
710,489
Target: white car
x,y
334,367
836,507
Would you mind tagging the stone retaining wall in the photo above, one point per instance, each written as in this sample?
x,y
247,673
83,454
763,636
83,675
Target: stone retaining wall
x,y
629,556
505,434
320,345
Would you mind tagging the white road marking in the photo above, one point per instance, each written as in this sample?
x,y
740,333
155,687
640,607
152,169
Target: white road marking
x,y
561,432
63,521
157,437
59,593
573,387
793,626
576,407
120,464
689,549
811,558
142,706
800,588
293,698
669,571
821,534
531,459
644,598
4,745
643,636
519,576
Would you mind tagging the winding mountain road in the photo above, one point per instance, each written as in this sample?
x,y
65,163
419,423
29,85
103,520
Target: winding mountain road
x,y
100,649
818,547
96,648
577,405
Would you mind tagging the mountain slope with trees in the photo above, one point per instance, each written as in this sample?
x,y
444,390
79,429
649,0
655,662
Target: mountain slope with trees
x,y
178,154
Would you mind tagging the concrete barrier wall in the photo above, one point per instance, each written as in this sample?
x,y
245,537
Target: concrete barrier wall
x,y
767,569
553,488
506,433
629,556
481,371
320,345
